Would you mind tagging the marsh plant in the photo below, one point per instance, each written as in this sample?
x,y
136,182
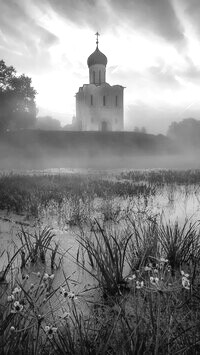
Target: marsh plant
x,y
39,247
144,294
106,250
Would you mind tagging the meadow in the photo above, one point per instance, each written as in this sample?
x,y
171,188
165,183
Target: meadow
x,y
100,262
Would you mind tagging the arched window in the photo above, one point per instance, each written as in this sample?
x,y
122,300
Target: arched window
x,y
91,100
99,76
104,100
116,101
93,77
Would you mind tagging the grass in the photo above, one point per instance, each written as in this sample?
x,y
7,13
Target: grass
x,y
145,271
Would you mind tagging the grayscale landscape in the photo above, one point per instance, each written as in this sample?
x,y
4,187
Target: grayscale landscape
x,y
99,177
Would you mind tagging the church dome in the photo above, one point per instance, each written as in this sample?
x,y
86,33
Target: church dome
x,y
97,57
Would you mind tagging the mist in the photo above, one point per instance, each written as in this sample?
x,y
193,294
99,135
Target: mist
x,y
40,150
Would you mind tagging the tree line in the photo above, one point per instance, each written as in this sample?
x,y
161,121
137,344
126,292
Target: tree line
x,y
17,99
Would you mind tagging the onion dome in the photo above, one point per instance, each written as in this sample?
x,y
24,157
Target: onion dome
x,y
97,57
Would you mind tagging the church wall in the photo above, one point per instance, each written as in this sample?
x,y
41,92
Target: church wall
x,y
100,107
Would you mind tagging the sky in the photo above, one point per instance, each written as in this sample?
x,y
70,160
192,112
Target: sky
x,y
152,46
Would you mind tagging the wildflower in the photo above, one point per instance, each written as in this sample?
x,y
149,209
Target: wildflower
x,y
154,281
163,260
32,286
50,331
69,294
184,274
16,290
72,295
17,307
130,278
63,292
38,274
139,284
27,277
45,277
147,268
52,276
10,298
186,282
12,329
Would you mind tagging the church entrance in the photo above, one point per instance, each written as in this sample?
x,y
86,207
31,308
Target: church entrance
x,y
104,126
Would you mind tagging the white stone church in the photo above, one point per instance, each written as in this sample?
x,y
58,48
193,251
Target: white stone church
x,y
99,106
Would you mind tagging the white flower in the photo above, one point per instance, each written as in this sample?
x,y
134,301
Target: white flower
x,y
185,282
50,330
72,295
69,294
16,290
163,260
17,307
38,274
154,281
139,284
10,298
63,292
130,278
45,277
52,276
147,268
12,329
184,274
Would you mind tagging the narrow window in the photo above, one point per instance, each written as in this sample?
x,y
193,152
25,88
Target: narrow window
x,y
116,101
91,100
104,100
93,77
99,76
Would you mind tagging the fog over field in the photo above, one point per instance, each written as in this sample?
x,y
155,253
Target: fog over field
x,y
99,177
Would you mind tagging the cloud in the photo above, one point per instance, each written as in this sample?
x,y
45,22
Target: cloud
x,y
157,120
192,10
157,16
23,36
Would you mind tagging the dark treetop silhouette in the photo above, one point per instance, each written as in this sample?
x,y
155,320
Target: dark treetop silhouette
x,y
17,100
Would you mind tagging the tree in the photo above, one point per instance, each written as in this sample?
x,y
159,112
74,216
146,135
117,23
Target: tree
x,y
48,123
17,99
143,130
186,131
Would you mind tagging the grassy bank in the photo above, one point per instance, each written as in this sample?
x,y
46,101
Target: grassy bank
x,y
145,272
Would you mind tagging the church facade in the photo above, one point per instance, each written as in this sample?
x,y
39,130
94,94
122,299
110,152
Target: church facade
x,y
99,106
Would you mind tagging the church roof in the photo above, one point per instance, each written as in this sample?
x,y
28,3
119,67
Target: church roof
x,y
97,57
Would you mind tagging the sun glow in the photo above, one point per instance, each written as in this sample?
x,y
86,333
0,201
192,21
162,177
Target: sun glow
x,y
141,61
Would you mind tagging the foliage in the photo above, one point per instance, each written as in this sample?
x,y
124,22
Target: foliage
x,y
186,131
106,251
147,269
48,123
37,245
17,99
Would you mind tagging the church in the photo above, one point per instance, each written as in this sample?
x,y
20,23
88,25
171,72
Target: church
x,y
99,106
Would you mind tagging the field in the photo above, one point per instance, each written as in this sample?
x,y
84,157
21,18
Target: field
x,y
100,262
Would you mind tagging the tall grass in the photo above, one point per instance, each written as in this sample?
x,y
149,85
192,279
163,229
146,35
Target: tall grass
x,y
106,251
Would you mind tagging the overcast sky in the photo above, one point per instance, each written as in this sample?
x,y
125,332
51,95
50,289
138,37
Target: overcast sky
x,y
152,46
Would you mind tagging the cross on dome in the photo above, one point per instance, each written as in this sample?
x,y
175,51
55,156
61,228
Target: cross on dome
x,y
97,57
97,41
